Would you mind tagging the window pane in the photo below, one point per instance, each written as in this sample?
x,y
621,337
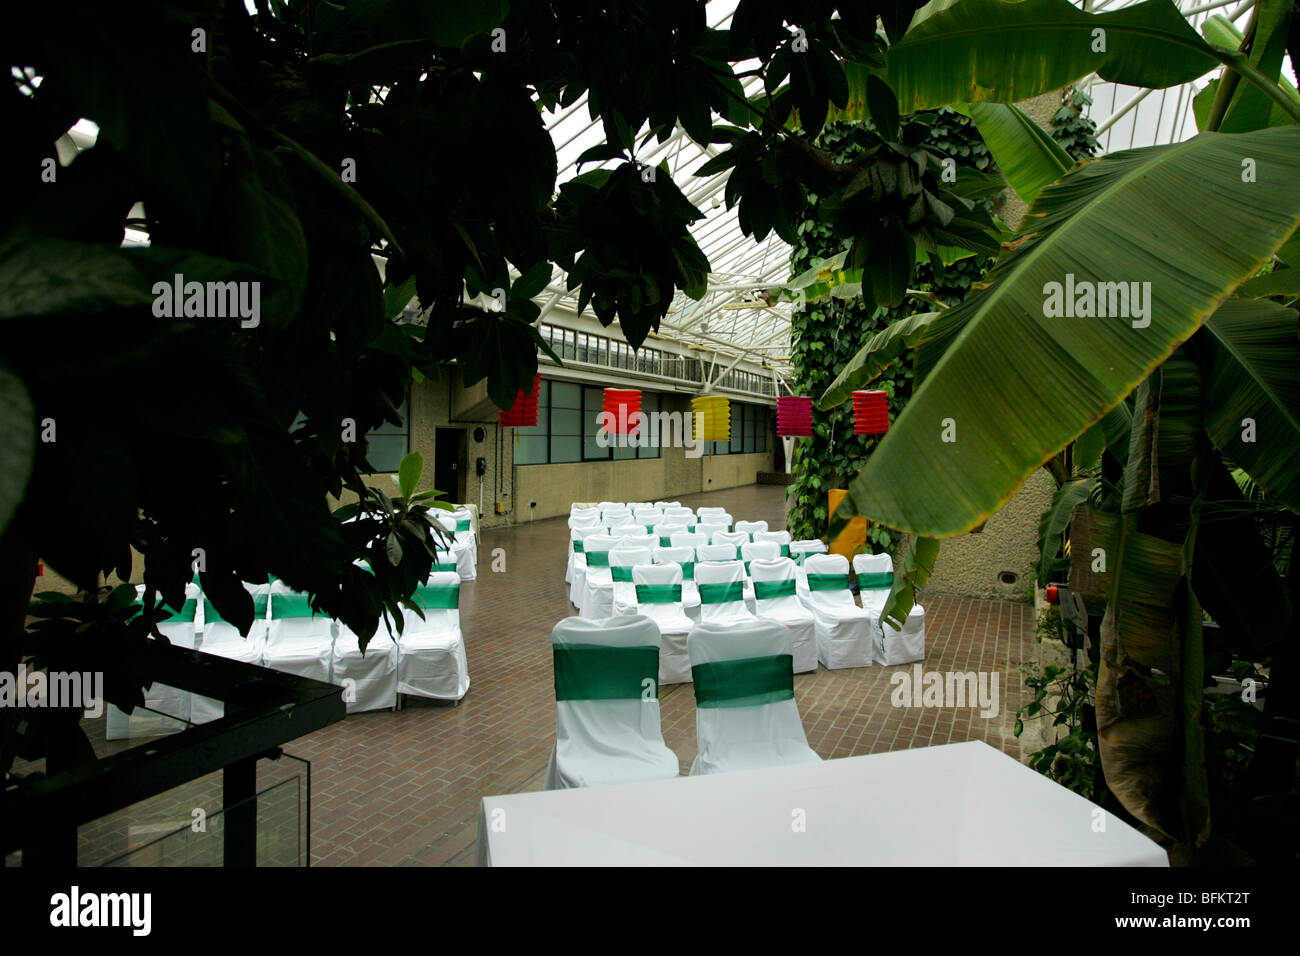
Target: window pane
x,y
737,428
530,450
565,448
592,451
386,451
566,395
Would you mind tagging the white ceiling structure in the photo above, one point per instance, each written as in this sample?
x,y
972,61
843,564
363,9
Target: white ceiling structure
x,y
731,320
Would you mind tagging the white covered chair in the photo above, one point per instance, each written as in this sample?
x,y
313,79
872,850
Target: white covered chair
x,y
623,530
463,550
370,679
686,515
844,630
597,583
166,709
659,597
709,527
734,538
684,558
689,539
775,600
298,641
800,550
891,645
599,541
465,532
722,592
223,639
431,651
718,552
751,528
576,536
745,712
781,538
621,561
607,727
664,531
710,510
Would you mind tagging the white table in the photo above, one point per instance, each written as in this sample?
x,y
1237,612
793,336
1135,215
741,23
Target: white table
x,y
963,804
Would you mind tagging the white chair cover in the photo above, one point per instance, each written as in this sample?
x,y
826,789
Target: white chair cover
x,y
891,646
709,527
224,640
710,510
684,558
607,726
597,584
463,550
775,599
431,652
844,630
734,538
298,641
751,528
621,561
664,530
165,708
370,679
659,597
745,715
718,552
603,541
465,532
689,539
577,535
722,592
781,538
624,530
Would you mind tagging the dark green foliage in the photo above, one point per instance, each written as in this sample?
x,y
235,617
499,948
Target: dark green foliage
x,y
829,332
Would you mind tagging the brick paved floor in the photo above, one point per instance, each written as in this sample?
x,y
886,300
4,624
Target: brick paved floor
x,y
404,788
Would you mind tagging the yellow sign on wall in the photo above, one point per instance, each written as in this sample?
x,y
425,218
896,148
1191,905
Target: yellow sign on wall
x,y
854,536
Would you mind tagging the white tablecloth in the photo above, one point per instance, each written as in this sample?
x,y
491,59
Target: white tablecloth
x,y
961,804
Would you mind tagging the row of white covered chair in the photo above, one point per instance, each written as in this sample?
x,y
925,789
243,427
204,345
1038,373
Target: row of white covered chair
x,y
426,660
608,726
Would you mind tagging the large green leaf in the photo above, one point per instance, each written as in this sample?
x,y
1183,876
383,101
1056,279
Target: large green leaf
x,y
918,565
1140,693
1052,524
1015,385
1004,52
1026,153
18,423
1252,381
880,352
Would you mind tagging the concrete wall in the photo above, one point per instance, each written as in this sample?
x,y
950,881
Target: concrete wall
x,y
974,563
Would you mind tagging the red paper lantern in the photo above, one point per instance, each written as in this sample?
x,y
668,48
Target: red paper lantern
x,y
794,416
1053,594
523,413
621,403
870,413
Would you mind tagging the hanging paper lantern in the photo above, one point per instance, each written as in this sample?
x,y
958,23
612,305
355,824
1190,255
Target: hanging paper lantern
x,y
716,422
523,413
870,413
621,403
794,416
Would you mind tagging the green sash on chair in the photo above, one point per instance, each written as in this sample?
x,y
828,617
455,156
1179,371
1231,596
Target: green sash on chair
x,y
747,682
594,672
442,597
876,581
463,524
658,593
767,590
621,573
722,593
577,546
210,613
597,559
285,606
828,582
444,566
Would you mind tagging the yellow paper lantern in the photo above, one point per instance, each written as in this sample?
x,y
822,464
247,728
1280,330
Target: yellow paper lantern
x,y
712,418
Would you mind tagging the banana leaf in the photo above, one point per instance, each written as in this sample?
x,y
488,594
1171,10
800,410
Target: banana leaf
x,y
1017,385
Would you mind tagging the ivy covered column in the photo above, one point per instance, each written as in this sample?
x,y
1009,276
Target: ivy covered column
x,y
827,333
